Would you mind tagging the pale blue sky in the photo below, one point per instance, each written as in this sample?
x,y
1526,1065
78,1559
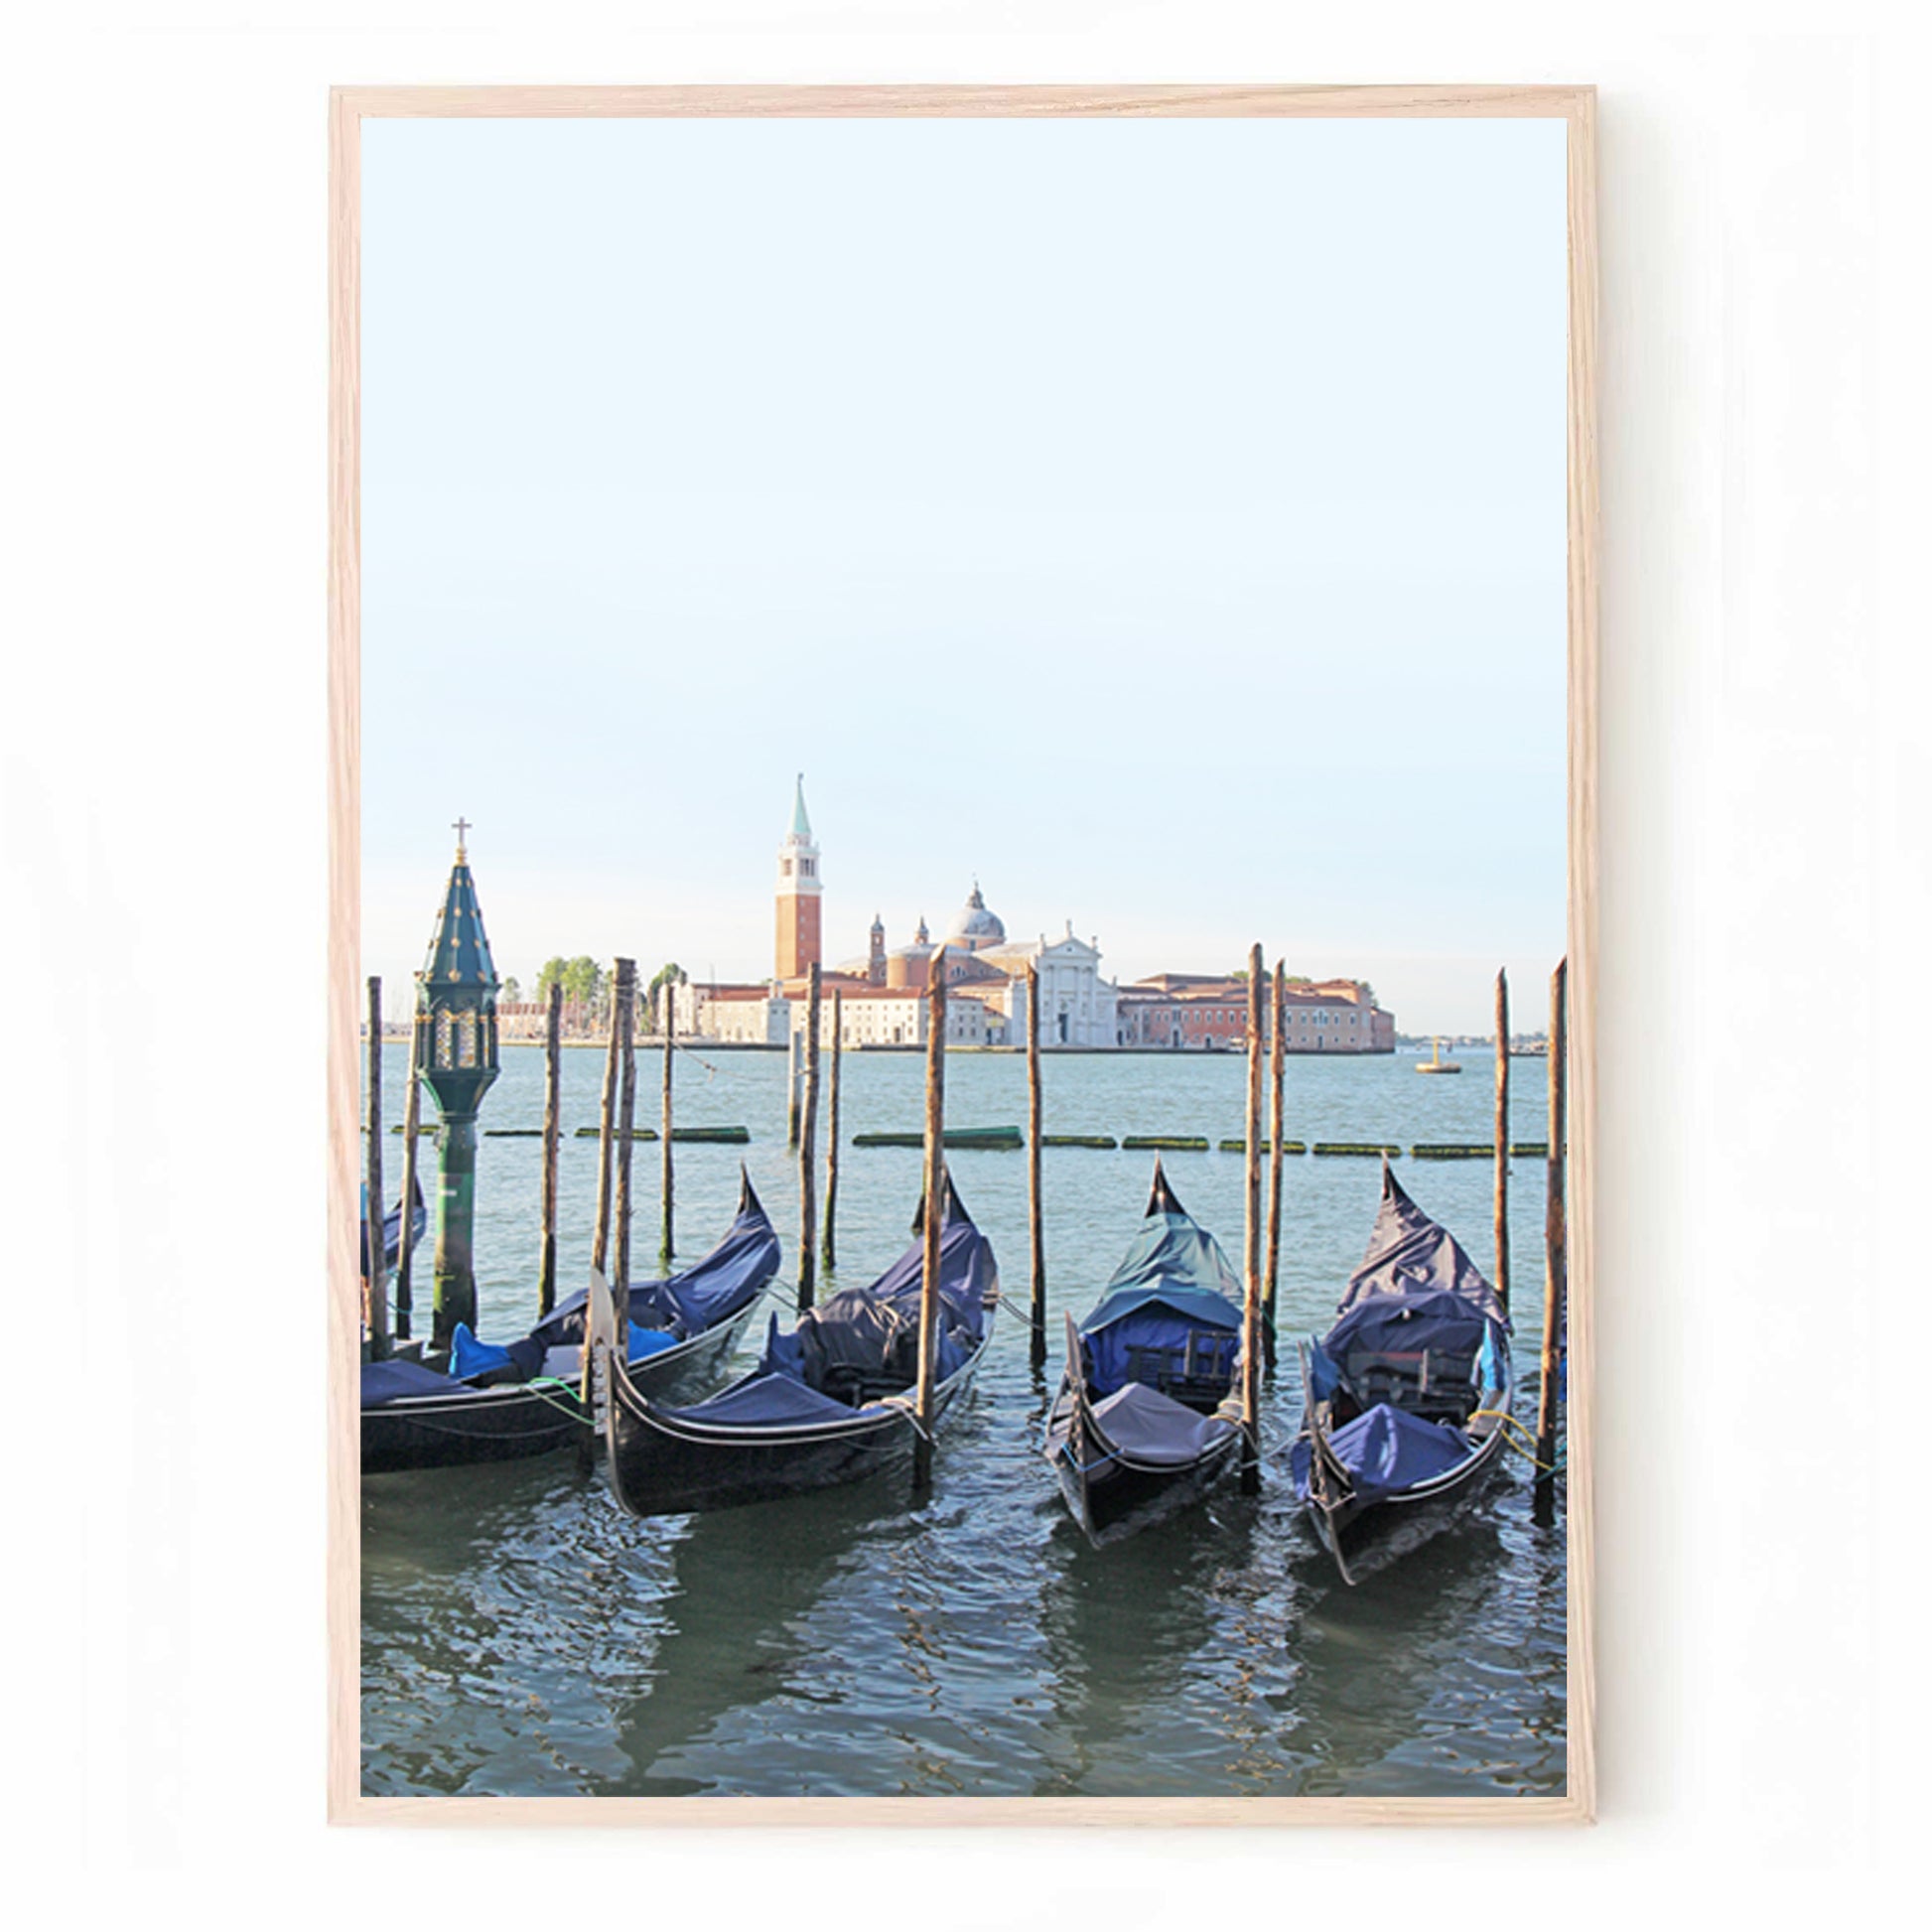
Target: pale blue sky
x,y
1160,520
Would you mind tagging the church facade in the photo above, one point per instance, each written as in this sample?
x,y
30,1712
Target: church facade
x,y
882,991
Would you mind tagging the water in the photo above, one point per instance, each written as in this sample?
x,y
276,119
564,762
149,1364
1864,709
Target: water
x,y
522,1635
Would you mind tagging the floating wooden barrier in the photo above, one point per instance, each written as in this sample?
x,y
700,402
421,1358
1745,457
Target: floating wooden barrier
x,y
1453,1150
1166,1142
1375,1148
1532,1150
425,1127
1239,1146
710,1135
513,1133
997,1137
1103,1141
636,1133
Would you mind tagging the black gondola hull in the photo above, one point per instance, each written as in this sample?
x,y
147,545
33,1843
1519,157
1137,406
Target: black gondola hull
x,y
1111,1496
1364,1537
510,1424
662,1466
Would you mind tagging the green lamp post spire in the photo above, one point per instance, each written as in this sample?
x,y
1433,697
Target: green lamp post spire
x,y
456,1021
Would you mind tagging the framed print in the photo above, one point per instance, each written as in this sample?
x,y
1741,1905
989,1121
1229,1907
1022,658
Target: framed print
x,y
963,947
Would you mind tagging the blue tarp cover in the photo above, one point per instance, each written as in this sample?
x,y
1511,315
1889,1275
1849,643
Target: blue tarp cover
x,y
1405,1325
874,1329
468,1356
648,1342
710,1290
390,1381
1154,1428
1385,1450
770,1400
967,1274
1409,1254
1173,1282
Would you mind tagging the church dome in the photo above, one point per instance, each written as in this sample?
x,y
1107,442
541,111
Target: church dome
x,y
976,927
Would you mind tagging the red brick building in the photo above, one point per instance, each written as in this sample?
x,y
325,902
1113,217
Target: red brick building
x,y
1209,1012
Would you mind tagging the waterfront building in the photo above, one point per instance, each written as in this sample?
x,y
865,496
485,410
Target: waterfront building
x,y
456,1021
1210,1013
883,989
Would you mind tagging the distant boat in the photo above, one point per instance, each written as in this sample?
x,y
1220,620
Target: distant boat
x,y
831,1399
1436,1064
1141,1424
1408,1395
503,1404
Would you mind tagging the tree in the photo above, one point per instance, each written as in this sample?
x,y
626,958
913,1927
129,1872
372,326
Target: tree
x,y
513,990
583,982
553,971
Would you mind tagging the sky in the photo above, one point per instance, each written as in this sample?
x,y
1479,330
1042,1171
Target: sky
x,y
1159,521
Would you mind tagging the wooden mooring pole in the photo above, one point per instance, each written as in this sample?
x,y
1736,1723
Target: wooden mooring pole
x,y
624,1025
1555,1268
1503,1139
606,1143
1035,1222
375,1306
1278,1070
792,1086
808,1148
1251,1342
667,1187
412,1110
553,1084
933,1220
829,1252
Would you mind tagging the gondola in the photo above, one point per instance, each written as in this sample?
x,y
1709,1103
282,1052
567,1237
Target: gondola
x,y
831,1399
1145,1417
488,1404
391,1228
1407,1397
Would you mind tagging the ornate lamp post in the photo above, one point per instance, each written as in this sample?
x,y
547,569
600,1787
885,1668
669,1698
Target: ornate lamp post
x,y
456,1046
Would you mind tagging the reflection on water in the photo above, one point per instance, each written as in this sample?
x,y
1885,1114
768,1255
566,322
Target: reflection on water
x,y
520,1634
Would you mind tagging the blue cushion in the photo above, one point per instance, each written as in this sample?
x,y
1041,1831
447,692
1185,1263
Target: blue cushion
x,y
468,1356
648,1342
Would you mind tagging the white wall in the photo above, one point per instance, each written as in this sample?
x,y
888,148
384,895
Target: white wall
x,y
1766,849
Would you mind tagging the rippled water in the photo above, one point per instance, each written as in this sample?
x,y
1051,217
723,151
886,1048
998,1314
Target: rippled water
x,y
522,1635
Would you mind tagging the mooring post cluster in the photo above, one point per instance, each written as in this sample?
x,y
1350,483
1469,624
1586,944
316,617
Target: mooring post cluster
x,y
375,1306
553,1068
667,1234
1251,1342
624,1030
808,1148
932,1213
830,1249
1278,1031
1035,1211
1556,1273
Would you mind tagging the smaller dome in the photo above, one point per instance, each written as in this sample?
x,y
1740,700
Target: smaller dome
x,y
975,926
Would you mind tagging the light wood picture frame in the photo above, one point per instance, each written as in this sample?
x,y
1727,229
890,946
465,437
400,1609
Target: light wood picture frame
x,y
349,108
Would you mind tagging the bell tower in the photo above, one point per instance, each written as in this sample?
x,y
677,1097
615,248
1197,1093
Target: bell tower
x,y
799,889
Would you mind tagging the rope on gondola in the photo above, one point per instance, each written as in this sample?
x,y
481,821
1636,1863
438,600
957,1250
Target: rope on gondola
x,y
569,1408
1509,1423
906,1405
